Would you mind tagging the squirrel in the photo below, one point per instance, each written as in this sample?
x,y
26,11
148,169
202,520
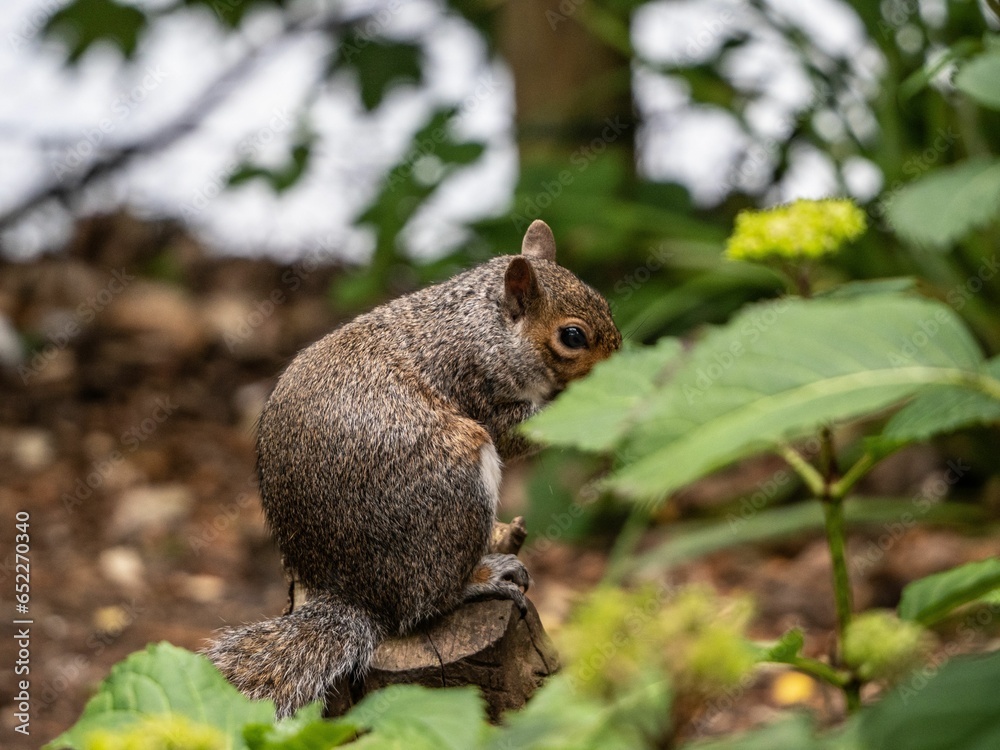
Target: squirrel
x,y
379,462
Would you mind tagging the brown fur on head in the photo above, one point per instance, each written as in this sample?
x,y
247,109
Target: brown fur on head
x,y
568,322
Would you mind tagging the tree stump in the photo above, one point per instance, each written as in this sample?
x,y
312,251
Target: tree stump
x,y
484,643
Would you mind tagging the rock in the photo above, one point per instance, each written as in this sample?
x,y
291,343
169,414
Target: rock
x,y
150,509
124,566
165,318
202,588
248,329
111,620
32,449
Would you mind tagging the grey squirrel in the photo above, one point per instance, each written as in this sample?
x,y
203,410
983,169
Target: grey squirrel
x,y
380,454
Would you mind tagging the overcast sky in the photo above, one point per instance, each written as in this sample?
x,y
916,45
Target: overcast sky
x,y
53,119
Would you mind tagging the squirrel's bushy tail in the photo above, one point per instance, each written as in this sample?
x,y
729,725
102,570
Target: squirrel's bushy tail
x,y
294,659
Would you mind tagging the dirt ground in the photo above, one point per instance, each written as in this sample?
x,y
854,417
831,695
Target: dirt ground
x,y
127,435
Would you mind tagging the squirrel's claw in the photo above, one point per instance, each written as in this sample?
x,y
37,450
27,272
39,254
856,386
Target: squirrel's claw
x,y
499,576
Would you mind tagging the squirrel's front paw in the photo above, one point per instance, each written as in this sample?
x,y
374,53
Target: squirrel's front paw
x,y
499,576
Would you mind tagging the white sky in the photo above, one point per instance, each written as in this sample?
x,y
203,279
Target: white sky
x,y
43,100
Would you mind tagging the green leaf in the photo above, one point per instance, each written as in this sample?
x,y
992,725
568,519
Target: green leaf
x,y
593,413
786,649
854,289
560,717
942,409
980,79
416,717
930,599
955,708
162,680
947,204
306,730
232,12
84,22
379,65
279,179
695,539
796,733
780,371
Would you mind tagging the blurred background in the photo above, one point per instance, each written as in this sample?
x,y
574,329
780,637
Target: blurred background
x,y
193,190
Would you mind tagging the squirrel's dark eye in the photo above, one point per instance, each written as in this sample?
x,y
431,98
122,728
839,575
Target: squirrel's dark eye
x,y
573,337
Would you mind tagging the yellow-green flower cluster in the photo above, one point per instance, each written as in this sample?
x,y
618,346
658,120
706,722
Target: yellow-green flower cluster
x,y
880,646
803,229
695,638
165,732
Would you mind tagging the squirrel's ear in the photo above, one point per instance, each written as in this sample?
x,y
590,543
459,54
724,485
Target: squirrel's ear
x,y
520,287
539,242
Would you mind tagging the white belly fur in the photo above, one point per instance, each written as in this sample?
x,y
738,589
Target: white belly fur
x,y
491,469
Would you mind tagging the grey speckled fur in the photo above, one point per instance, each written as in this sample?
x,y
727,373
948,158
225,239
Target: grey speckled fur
x,y
371,464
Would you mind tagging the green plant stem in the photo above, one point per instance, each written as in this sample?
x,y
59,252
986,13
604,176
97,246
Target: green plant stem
x,y
820,671
812,478
833,517
832,500
628,538
842,486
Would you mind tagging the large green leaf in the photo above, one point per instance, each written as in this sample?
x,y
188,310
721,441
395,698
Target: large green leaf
x,y
694,539
780,371
166,680
562,717
947,204
795,733
594,413
980,79
930,599
954,708
943,409
413,716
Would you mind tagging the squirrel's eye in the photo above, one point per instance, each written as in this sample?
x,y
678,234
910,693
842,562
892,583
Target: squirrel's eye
x,y
573,337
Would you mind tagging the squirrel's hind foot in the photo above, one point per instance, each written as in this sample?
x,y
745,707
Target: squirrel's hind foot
x,y
499,576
